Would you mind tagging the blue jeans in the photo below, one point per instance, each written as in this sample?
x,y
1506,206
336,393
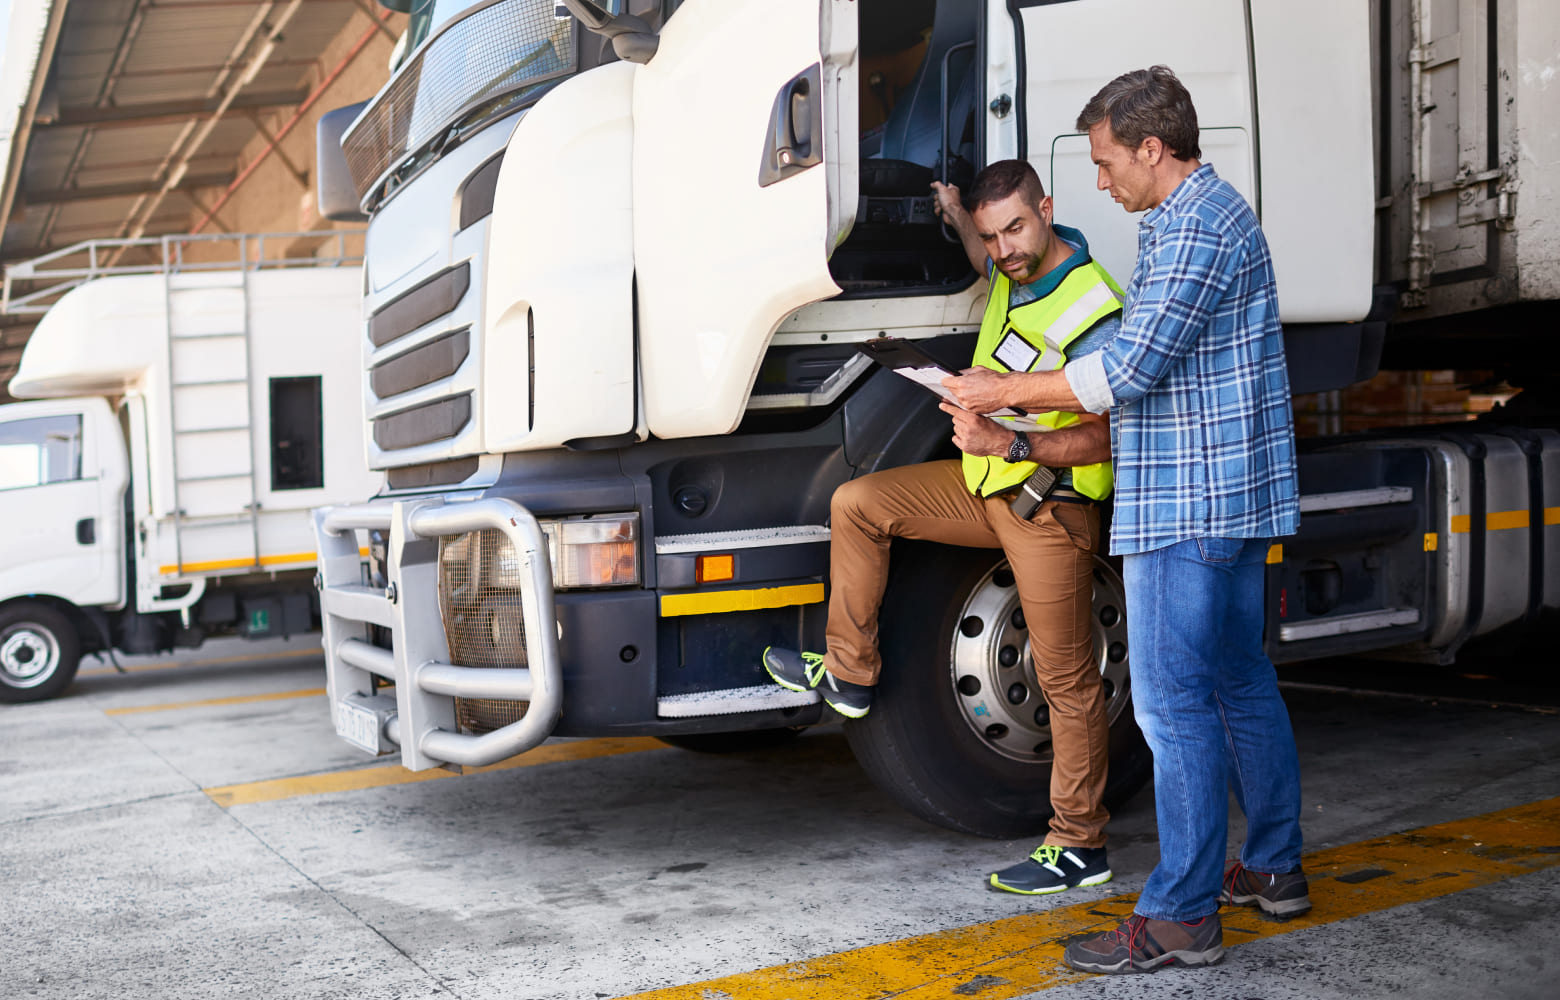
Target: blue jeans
x,y
1206,697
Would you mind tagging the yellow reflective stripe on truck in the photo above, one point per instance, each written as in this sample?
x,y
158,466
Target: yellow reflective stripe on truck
x,y
1502,519
213,565
711,602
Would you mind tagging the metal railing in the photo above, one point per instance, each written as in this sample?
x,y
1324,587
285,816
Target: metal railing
x,y
53,274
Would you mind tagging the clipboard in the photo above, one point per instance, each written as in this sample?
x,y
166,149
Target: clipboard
x,y
904,358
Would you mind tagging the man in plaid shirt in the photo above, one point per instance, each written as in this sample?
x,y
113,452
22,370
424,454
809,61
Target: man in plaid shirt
x,y
1203,443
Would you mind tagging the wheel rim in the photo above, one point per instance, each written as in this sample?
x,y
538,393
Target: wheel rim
x,y
29,655
993,682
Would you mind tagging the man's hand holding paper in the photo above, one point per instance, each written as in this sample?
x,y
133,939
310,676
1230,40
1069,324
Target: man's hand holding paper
x,y
982,390
974,434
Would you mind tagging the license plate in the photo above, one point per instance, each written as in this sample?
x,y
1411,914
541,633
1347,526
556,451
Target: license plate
x,y
357,725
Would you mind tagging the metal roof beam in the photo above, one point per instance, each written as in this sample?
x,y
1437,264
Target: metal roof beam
x,y
228,84
165,112
64,196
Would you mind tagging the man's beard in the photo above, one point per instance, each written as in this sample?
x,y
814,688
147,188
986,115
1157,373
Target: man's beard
x,y
1020,266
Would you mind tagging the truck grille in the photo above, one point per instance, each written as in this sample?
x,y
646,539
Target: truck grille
x,y
422,424
434,360
503,48
428,422
484,625
430,299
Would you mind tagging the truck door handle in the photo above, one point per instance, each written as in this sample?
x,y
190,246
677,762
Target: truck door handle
x,y
795,138
86,530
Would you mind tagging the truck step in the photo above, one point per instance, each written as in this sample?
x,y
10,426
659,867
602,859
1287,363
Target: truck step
x,y
731,701
1365,621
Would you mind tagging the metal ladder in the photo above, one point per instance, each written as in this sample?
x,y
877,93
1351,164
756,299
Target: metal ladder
x,y
177,287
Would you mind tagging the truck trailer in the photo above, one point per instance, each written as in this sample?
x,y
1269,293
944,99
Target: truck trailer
x,y
156,486
619,259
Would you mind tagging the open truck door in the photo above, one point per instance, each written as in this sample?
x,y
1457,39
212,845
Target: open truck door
x,y
1066,60
1243,63
734,222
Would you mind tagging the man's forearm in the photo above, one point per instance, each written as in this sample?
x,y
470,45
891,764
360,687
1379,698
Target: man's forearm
x,y
1079,444
961,223
1039,392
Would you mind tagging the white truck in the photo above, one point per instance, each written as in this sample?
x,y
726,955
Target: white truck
x,y
156,488
611,314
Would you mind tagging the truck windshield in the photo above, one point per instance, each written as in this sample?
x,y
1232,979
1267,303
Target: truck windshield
x,y
466,63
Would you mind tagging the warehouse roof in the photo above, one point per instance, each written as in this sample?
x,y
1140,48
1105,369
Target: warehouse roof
x,y
135,114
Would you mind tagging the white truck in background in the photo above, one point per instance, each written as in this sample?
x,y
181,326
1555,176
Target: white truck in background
x,y
611,310
181,420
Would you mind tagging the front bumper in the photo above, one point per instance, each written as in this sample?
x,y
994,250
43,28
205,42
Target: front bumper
x,y
420,716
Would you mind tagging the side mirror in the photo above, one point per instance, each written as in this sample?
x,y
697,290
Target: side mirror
x,y
337,195
632,38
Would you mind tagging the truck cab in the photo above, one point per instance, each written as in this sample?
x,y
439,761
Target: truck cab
x,y
63,474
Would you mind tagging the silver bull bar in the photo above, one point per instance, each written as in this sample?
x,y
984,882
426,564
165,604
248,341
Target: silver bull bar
x,y
420,718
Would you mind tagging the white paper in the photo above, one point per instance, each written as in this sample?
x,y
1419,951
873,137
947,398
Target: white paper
x,y
932,377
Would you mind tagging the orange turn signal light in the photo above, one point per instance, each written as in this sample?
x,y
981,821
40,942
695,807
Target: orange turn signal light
x,y
715,569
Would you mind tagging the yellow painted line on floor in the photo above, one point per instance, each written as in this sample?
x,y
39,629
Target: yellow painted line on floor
x,y
243,699
1020,955
214,661
710,602
1275,554
380,777
1551,516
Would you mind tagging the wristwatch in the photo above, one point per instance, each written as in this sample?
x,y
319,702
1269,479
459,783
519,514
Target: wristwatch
x,y
1018,451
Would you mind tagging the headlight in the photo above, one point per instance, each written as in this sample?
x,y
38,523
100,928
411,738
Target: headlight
x,y
597,550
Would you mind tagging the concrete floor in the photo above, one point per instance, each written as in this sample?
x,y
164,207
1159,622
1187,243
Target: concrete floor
x,y
120,877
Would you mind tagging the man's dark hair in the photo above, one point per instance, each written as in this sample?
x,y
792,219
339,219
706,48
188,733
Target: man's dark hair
x,y
1143,103
1001,179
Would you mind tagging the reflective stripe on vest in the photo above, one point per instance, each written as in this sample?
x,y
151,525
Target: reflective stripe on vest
x,y
1034,337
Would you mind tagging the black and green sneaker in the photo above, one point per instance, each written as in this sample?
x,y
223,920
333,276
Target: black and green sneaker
x,y
805,672
1052,868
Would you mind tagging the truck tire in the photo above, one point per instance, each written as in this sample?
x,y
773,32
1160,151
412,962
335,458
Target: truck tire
x,y
39,653
755,739
957,732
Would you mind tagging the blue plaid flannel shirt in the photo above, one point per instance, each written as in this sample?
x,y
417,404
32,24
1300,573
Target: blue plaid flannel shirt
x,y
1201,429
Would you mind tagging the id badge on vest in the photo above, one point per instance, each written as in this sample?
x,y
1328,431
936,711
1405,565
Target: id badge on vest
x,y
1016,353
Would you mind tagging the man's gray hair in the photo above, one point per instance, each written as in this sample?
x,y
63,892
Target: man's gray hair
x,y
1143,103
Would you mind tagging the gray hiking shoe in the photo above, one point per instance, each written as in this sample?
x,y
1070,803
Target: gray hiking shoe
x,y
1144,945
1282,896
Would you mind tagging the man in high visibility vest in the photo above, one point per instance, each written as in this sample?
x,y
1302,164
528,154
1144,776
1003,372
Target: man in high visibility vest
x,y
1049,302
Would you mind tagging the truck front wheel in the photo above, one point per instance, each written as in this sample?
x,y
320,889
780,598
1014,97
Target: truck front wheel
x,y
39,653
959,731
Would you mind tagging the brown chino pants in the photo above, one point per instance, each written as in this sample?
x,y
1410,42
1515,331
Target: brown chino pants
x,y
1052,557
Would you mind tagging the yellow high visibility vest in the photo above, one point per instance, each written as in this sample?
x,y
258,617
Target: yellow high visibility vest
x,y
1034,338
